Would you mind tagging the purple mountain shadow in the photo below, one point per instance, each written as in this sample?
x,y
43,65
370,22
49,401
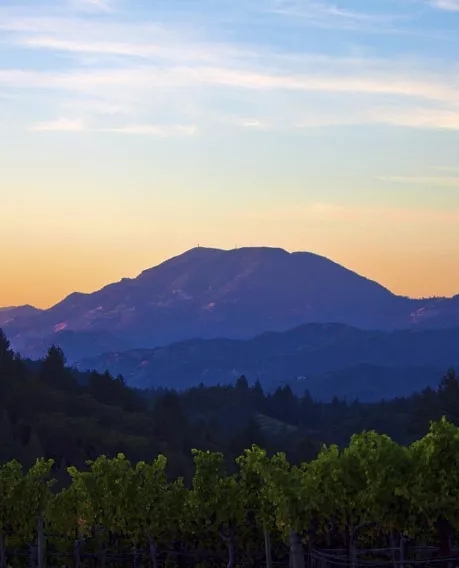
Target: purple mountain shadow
x,y
209,293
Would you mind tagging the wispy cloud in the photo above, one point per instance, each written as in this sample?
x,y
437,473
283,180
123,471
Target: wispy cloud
x,y
147,69
418,117
448,5
149,77
167,50
162,131
60,125
92,5
149,40
96,106
122,89
78,126
326,12
327,15
445,168
424,180
370,215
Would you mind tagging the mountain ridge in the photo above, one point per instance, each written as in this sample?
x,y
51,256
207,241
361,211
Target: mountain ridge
x,y
337,357
209,292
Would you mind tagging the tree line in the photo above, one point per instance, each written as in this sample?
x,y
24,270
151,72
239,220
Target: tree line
x,y
371,493
49,409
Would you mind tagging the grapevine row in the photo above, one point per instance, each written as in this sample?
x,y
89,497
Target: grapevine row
x,y
374,493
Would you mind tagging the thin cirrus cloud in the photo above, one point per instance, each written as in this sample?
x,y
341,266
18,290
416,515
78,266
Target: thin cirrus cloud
x,y
448,5
71,125
171,50
162,131
327,211
323,14
134,64
95,106
431,181
445,168
92,5
59,125
430,88
417,117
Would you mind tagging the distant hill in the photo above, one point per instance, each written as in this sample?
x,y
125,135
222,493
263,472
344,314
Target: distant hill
x,y
75,344
327,359
209,293
369,383
9,315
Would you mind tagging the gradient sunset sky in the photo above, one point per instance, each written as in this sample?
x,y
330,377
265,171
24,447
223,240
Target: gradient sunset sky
x,y
132,130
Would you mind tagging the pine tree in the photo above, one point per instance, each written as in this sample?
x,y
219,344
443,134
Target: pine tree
x,y
7,361
242,384
7,442
33,450
53,371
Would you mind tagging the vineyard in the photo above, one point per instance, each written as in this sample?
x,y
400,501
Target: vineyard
x,y
373,503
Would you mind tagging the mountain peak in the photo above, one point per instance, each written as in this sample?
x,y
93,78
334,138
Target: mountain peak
x,y
238,293
198,250
198,256
211,251
272,252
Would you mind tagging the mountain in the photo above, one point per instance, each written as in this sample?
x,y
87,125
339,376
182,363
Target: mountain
x,y
332,358
210,293
369,383
438,313
9,315
75,344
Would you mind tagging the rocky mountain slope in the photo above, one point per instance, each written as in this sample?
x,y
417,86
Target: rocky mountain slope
x,y
211,293
11,314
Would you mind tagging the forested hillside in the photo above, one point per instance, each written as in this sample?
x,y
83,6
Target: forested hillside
x,y
331,358
48,409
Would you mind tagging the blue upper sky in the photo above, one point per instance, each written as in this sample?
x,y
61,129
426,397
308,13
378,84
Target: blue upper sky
x,y
325,125
188,65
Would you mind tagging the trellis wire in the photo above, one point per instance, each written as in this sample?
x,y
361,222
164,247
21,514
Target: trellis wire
x,y
315,558
322,558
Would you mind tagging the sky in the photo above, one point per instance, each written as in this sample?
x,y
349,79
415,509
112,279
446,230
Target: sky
x,y
133,130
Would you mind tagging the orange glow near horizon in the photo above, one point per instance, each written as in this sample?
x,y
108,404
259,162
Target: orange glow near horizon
x,y
120,149
87,244
43,280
